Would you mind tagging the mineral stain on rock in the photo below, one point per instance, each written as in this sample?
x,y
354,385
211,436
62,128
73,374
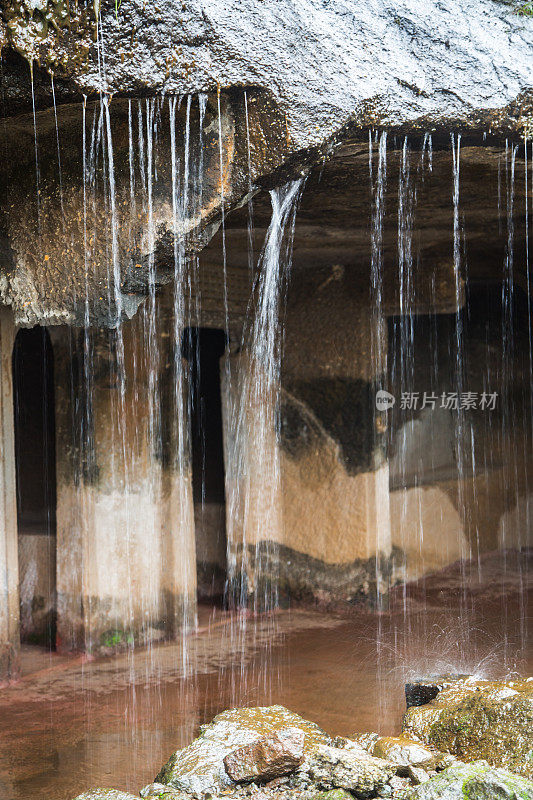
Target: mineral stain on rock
x,y
200,767
270,757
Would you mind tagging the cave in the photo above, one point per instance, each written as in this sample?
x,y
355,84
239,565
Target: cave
x,y
34,412
266,398
203,349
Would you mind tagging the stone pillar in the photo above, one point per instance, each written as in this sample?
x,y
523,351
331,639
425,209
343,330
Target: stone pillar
x,y
9,573
125,537
307,483
254,518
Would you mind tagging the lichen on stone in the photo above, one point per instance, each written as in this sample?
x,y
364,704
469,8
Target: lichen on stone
x,y
475,719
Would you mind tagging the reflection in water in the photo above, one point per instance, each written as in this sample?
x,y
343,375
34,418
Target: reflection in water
x,y
77,724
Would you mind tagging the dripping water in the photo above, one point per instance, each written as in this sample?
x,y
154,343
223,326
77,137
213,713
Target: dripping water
x,y
253,469
60,172
250,191
36,149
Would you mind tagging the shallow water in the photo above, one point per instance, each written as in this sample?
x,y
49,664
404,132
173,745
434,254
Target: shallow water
x,y
71,724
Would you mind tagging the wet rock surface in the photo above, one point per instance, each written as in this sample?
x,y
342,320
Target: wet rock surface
x,y
319,72
200,768
403,752
163,792
436,60
268,758
477,719
283,757
418,693
73,249
350,768
105,794
476,781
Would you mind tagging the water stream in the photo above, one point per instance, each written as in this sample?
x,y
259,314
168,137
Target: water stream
x,y
151,173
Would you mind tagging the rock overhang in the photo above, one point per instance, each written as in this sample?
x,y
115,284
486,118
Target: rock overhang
x,y
324,75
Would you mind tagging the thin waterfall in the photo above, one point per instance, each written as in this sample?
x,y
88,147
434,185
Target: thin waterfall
x,y
460,434
140,353
406,305
36,150
59,170
223,209
180,208
378,354
509,410
152,354
378,342
254,499
250,191
457,266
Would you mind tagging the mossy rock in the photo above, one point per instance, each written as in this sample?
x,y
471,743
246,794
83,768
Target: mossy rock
x,y
333,794
476,781
490,720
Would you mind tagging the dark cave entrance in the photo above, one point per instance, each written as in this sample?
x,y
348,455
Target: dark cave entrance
x,y
203,348
35,459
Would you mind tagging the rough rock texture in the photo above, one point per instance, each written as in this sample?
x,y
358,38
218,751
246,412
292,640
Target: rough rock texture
x,y
396,788
404,752
106,794
270,757
162,792
417,775
320,71
437,60
420,692
350,768
199,768
475,719
87,234
333,794
476,781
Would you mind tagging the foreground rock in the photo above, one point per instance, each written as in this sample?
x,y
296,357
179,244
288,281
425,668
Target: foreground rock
x,y
350,768
106,794
162,792
404,752
273,754
476,719
200,768
270,757
476,781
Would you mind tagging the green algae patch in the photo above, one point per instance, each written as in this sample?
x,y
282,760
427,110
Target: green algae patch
x,y
492,720
476,781
333,794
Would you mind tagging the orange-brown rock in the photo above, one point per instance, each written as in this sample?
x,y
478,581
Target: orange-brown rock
x,y
279,753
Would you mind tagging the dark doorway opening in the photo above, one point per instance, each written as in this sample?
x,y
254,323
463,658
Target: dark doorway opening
x,y
35,457
203,347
